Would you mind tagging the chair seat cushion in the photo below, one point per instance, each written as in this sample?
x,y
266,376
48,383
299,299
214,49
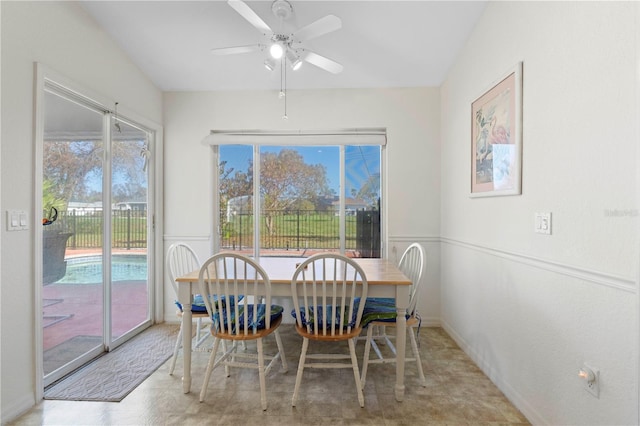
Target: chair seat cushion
x,y
258,323
308,315
197,306
379,309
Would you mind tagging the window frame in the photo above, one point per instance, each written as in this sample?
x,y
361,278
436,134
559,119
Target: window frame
x,y
215,197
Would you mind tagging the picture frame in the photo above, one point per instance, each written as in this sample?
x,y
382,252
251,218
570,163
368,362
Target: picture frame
x,y
496,138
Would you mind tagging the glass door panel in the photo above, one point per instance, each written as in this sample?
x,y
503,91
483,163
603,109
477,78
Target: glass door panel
x,y
236,198
72,257
96,231
129,225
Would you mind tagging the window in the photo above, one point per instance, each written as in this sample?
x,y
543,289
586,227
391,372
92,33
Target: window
x,y
301,209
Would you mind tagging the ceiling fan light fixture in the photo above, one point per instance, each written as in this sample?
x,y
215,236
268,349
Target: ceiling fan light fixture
x,y
269,64
294,60
276,50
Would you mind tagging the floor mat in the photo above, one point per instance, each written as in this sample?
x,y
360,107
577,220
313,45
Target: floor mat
x,y
114,375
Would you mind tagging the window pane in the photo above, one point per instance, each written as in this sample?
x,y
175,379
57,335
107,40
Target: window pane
x,y
236,198
362,200
298,188
300,200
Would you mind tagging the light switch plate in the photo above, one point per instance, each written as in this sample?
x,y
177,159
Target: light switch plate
x,y
17,220
542,223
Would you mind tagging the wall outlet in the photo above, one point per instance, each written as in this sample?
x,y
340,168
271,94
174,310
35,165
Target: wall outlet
x,y
590,379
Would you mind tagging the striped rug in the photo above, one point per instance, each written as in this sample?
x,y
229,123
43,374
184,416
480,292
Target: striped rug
x,y
115,374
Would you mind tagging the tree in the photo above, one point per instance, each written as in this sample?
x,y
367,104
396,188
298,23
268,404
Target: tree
x,y
236,184
67,164
285,179
49,198
286,182
70,164
370,191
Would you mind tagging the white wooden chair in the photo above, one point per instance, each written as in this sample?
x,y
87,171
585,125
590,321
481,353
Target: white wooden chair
x,y
379,313
237,294
181,259
329,291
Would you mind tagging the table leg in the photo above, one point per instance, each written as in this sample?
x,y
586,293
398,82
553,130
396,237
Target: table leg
x,y
185,300
402,296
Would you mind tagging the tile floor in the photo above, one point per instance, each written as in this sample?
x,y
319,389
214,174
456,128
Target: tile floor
x,y
457,393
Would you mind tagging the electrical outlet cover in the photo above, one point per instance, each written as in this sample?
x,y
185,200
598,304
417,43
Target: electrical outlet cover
x,y
593,387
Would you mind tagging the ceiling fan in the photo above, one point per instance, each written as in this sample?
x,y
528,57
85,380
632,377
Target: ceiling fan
x,y
286,47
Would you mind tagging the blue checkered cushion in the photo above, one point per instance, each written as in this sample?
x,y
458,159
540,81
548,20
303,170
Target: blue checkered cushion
x,y
257,323
197,306
379,309
333,315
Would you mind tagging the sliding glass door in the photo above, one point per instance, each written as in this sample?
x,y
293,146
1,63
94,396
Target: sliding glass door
x,y
96,231
131,225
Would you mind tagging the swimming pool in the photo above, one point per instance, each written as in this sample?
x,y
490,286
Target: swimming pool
x,y
88,269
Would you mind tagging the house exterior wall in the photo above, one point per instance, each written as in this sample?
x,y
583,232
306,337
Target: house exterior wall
x,y
64,38
529,308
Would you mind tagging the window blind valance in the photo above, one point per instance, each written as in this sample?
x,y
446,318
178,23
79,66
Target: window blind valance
x,y
365,136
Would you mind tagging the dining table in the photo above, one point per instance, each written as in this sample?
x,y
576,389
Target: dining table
x,y
383,277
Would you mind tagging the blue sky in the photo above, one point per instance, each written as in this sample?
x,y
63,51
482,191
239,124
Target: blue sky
x,y
361,161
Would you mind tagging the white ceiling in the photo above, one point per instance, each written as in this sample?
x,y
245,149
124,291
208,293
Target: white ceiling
x,y
380,44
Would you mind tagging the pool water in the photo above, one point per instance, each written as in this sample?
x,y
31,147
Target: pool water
x,y
88,269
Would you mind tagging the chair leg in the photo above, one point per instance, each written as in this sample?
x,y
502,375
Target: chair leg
x,y
365,358
416,355
375,347
175,352
356,373
227,369
285,367
263,392
210,364
303,356
201,333
198,325
388,342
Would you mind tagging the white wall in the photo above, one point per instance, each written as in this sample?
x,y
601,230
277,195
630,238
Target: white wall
x,y
61,36
530,308
411,117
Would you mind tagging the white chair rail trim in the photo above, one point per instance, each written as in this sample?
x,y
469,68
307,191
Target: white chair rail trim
x,y
600,278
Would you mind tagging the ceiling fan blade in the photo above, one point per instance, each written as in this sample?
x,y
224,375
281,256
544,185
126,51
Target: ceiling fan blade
x,y
235,50
322,62
247,13
320,27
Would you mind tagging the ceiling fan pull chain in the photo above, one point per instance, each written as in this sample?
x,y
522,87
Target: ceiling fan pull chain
x,y
281,94
283,71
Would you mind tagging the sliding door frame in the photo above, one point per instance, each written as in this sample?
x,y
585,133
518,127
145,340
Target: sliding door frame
x,y
47,79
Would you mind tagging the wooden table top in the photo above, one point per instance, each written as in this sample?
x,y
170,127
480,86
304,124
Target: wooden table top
x,y
280,271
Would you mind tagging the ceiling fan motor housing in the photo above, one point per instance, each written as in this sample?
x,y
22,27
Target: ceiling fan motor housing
x,y
282,9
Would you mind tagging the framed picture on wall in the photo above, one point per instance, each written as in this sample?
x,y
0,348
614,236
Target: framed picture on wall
x,y
496,138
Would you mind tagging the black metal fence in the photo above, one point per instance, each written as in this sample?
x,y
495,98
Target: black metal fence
x,y
128,228
279,229
289,230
